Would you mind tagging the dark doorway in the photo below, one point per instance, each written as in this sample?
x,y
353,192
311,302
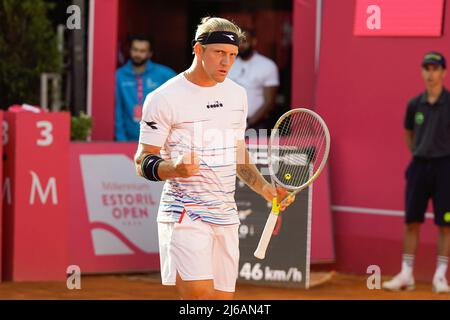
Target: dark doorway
x,y
172,26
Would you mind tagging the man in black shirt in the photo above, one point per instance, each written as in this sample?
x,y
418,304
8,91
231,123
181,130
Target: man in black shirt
x,y
427,134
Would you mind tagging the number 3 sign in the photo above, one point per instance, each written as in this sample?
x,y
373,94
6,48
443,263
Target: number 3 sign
x,y
35,201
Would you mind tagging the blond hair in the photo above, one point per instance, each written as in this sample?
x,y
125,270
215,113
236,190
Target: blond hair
x,y
212,24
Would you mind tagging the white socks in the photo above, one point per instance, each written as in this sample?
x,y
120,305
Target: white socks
x,y
441,267
407,264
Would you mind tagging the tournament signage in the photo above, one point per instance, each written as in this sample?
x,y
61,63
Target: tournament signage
x,y
121,207
288,256
113,217
399,18
35,195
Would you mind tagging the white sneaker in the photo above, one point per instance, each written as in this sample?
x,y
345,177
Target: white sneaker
x,y
400,282
440,285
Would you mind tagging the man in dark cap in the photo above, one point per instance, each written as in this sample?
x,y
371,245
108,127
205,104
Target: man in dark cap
x,y
427,134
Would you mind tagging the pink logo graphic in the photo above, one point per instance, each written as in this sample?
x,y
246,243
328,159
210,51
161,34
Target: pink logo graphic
x,y
399,17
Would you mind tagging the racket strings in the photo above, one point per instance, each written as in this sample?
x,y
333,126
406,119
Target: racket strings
x,y
304,141
314,138
297,132
298,148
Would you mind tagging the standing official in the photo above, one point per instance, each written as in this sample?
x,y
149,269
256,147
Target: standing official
x,y
427,134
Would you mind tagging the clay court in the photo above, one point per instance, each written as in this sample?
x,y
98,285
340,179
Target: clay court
x,y
147,287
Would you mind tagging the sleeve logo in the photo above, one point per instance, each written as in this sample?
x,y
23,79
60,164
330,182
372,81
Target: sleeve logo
x,y
152,125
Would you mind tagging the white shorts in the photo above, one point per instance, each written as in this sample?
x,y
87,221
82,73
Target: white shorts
x,y
168,274
203,251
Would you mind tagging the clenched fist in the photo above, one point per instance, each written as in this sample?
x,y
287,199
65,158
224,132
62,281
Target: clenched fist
x,y
269,192
187,165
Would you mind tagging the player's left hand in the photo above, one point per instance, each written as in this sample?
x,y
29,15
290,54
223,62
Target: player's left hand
x,y
269,192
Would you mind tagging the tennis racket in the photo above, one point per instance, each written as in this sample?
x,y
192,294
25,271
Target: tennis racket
x,y
298,149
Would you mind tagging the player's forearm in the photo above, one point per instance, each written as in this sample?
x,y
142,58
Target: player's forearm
x,y
166,169
247,171
250,175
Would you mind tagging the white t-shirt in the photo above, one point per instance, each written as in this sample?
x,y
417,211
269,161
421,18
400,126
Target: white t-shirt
x,y
255,74
181,116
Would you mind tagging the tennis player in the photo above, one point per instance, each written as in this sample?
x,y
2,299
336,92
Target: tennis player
x,y
427,134
192,136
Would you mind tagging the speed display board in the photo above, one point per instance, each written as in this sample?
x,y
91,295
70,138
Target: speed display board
x,y
288,255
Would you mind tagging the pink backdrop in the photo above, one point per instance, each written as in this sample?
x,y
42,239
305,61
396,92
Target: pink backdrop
x,y
303,95
399,17
104,59
363,86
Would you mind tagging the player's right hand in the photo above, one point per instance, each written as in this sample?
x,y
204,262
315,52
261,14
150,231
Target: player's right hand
x,y
187,165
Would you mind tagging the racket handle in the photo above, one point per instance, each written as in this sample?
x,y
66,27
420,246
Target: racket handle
x,y
260,252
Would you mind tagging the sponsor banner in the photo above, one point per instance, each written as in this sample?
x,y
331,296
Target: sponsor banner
x,y
35,197
399,18
285,264
113,211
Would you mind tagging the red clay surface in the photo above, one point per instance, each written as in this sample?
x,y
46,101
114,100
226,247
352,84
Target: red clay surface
x,y
148,287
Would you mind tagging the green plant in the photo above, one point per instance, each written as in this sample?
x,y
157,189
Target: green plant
x,y
28,47
80,127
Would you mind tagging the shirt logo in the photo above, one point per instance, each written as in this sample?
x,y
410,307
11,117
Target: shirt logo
x,y
152,125
419,118
216,104
229,36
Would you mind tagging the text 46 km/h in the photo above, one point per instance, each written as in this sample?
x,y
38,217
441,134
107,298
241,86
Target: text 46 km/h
x,y
258,273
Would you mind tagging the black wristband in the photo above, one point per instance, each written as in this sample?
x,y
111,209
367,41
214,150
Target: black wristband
x,y
149,167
